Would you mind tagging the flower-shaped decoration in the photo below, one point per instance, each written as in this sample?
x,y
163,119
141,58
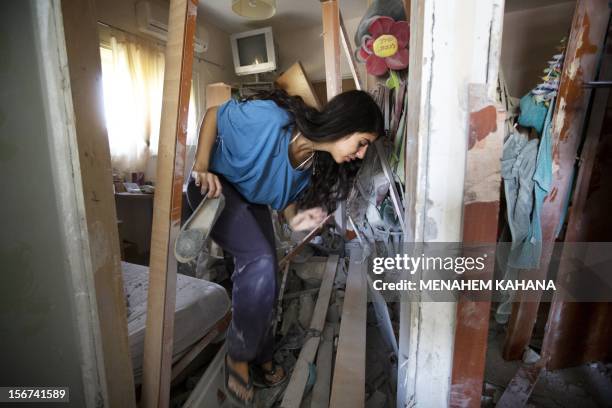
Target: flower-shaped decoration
x,y
386,46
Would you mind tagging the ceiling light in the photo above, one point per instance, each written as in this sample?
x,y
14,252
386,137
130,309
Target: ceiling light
x,y
254,9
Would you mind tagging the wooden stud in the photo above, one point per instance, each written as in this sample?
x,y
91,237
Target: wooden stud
x,y
157,365
588,31
331,47
82,47
348,388
481,209
348,51
297,383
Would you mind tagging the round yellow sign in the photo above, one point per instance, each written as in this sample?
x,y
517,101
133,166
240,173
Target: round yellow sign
x,y
385,46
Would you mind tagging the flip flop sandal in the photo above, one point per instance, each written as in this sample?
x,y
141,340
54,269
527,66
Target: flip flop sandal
x,y
235,398
194,232
260,376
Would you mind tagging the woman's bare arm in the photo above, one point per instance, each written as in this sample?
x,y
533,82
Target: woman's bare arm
x,y
206,140
208,182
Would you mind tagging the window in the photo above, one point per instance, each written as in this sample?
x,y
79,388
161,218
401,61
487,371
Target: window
x,y
132,80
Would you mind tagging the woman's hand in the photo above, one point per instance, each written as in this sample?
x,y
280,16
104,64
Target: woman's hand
x,y
208,183
308,219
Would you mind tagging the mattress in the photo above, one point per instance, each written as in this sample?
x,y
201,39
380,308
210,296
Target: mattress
x,y
200,305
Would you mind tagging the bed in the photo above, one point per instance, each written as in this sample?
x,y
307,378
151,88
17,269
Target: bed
x,y
200,305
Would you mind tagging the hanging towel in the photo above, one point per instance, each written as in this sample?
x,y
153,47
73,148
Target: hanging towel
x,y
517,169
543,183
533,114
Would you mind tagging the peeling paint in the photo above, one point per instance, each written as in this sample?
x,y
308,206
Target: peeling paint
x,y
571,92
482,123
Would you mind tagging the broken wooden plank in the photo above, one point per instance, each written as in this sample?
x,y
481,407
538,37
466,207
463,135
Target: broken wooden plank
x,y
348,51
281,292
295,82
584,46
348,388
299,377
518,391
85,72
209,391
331,47
303,243
219,328
321,388
161,303
480,219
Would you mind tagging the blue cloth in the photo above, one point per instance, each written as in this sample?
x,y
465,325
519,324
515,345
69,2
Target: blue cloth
x,y
533,114
517,169
543,182
525,190
252,153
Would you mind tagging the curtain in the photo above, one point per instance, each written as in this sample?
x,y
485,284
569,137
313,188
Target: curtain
x,y
133,76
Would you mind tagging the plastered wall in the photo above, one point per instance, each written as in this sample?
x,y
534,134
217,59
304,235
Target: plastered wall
x,y
306,45
39,336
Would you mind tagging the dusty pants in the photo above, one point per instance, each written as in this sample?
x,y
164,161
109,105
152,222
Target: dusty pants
x,y
245,231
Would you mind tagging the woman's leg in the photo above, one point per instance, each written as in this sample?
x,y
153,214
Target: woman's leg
x,y
245,231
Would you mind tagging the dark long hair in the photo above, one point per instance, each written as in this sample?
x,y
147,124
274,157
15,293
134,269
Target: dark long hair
x,y
345,114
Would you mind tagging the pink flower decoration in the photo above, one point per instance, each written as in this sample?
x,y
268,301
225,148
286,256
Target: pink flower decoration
x,y
386,46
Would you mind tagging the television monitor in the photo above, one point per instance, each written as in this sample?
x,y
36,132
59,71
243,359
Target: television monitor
x,y
253,51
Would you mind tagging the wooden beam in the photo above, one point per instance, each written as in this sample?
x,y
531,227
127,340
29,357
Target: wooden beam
x,y
157,365
321,388
348,388
588,28
571,339
518,391
82,47
585,43
407,9
299,377
480,217
348,51
331,47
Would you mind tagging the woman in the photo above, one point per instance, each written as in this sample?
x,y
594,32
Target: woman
x,y
273,150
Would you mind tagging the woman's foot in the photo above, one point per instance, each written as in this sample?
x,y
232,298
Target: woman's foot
x,y
238,381
274,374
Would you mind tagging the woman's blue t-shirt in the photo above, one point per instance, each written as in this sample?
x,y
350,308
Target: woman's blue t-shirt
x,y
252,152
